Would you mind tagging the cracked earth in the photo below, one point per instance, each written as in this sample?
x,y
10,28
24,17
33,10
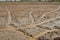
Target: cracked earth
x,y
29,21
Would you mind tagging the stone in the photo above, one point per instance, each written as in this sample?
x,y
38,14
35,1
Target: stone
x,y
33,32
53,24
53,35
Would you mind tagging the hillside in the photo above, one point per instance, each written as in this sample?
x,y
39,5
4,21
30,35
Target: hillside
x,y
29,21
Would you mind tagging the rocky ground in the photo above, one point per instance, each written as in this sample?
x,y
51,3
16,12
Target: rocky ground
x,y
29,21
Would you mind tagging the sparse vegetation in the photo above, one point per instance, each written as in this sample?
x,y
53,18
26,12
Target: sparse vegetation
x,y
32,0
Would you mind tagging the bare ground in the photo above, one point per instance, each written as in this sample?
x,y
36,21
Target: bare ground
x,y
29,21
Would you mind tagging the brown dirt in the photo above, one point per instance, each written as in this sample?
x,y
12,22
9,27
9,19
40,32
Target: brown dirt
x,y
29,21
